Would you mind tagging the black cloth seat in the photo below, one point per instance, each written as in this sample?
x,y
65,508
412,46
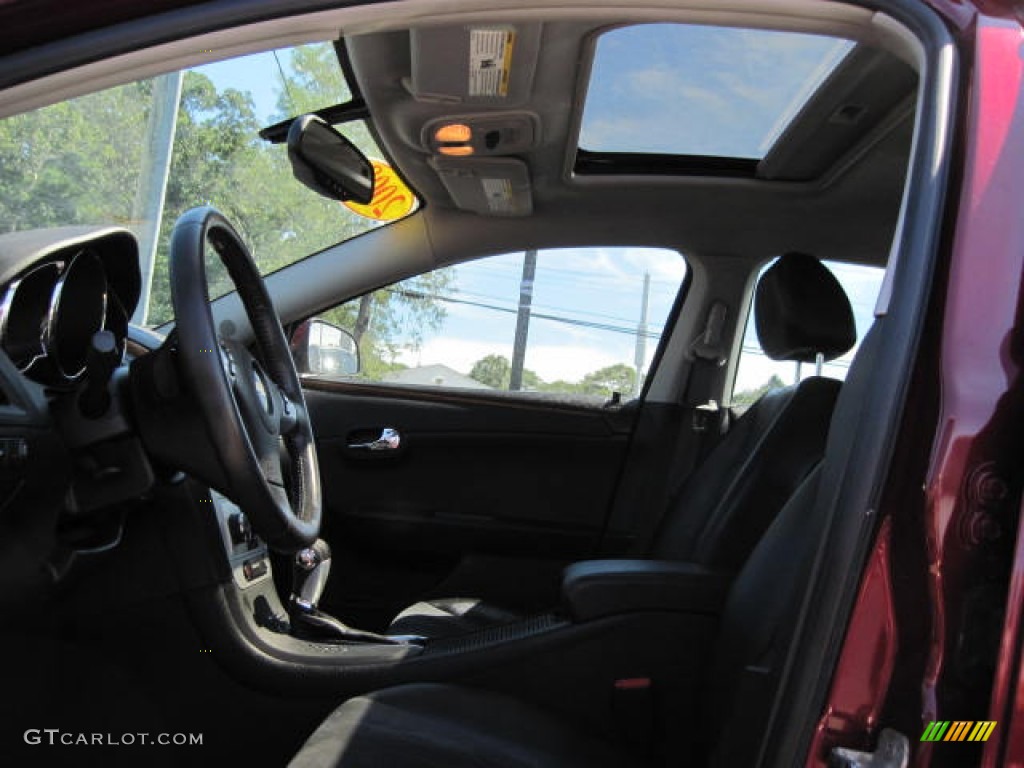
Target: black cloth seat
x,y
435,725
447,726
723,508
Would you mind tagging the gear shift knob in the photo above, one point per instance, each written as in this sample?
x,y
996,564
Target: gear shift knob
x,y
309,577
310,570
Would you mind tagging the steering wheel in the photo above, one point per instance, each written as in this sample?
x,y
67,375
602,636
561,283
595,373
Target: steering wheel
x,y
252,405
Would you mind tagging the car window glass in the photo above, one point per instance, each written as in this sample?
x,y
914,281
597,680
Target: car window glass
x,y
582,323
757,373
141,154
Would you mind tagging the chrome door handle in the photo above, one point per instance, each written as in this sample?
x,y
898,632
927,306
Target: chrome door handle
x,y
389,440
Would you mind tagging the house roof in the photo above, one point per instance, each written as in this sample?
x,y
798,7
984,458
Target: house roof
x,y
434,376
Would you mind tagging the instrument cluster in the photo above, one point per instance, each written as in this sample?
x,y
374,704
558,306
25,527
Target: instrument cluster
x,y
52,308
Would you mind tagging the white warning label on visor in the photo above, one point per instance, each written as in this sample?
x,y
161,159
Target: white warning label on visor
x,y
490,61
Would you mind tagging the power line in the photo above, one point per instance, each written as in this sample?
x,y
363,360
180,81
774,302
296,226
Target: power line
x,y
557,273
405,293
838,362
478,295
284,82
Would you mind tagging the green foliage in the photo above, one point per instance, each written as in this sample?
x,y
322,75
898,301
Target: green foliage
x,y
496,371
493,370
78,162
619,378
750,396
372,366
407,310
219,160
314,80
74,162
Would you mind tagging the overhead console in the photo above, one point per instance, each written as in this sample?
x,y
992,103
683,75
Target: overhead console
x,y
482,134
460,105
498,117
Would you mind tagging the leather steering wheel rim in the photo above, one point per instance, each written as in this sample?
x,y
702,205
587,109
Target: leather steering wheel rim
x,y
250,404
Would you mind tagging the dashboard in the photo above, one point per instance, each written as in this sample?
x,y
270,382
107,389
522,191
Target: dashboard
x,y
59,288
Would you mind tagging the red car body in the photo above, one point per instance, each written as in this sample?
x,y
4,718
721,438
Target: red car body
x,y
973,472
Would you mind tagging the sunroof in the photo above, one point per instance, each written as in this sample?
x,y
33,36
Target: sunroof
x,y
701,90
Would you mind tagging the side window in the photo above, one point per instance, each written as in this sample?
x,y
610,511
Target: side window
x,y
757,373
582,323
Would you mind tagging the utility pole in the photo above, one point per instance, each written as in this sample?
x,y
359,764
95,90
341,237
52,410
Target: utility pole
x,y
523,319
148,208
640,355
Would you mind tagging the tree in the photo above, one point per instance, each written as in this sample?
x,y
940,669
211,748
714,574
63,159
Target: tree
x,y
619,378
389,320
78,162
560,386
750,396
493,370
385,320
73,162
496,371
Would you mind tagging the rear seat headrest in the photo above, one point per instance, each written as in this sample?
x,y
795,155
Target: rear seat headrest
x,y
800,310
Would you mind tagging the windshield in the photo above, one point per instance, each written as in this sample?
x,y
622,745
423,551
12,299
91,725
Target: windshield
x,y
141,154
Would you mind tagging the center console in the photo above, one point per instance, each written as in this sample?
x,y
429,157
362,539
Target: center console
x,y
639,621
246,553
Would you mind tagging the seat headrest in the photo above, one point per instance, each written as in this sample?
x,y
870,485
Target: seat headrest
x,y
801,310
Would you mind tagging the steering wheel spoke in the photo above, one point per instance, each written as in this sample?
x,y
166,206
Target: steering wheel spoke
x,y
227,360
294,418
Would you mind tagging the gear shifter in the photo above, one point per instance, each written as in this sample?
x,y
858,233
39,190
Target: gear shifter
x,y
310,570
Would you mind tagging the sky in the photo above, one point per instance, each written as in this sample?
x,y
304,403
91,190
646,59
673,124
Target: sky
x,y
257,74
583,287
661,87
695,90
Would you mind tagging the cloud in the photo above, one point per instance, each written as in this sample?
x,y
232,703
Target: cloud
x,y
699,89
459,354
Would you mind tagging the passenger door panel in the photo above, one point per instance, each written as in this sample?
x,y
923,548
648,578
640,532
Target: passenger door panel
x,y
487,496
472,474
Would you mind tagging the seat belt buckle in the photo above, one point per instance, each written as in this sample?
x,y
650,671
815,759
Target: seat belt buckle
x,y
704,413
633,711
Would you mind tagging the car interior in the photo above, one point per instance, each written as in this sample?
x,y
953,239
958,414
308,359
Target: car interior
x,y
202,533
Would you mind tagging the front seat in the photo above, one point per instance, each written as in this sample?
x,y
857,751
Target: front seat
x,y
724,507
453,726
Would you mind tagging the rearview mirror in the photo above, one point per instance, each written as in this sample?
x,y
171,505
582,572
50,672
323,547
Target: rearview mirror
x,y
324,349
327,162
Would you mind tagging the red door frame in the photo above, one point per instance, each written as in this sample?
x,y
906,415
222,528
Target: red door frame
x,y
975,453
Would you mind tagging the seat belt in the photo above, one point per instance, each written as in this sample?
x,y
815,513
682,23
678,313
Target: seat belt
x,y
707,358
706,422
708,416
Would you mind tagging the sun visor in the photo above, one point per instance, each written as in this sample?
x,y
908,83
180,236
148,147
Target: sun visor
x,y
480,64
491,187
